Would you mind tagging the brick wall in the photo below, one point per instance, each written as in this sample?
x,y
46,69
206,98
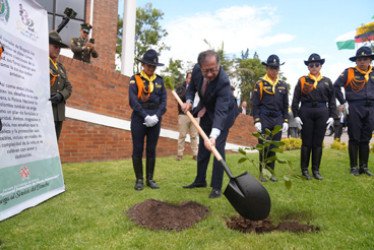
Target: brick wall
x,y
105,92
104,31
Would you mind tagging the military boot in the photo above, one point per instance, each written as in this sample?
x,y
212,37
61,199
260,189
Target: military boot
x,y
138,169
304,161
316,161
363,155
150,167
353,150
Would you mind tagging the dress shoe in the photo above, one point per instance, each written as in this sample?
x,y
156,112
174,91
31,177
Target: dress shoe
x,y
215,193
196,185
194,157
273,179
152,184
179,158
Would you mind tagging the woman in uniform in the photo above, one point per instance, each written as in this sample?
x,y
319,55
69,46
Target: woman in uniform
x,y
316,113
147,96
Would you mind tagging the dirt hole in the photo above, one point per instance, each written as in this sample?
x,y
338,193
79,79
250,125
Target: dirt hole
x,y
159,215
244,225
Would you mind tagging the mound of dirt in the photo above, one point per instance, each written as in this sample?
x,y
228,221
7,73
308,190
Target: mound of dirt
x,y
244,225
159,215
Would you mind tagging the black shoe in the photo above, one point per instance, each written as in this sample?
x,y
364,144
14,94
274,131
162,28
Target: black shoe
x,y
262,179
215,193
354,171
152,184
317,175
139,185
273,179
306,175
196,185
365,171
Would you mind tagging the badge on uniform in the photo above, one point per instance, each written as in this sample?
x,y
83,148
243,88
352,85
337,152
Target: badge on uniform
x,y
132,82
158,86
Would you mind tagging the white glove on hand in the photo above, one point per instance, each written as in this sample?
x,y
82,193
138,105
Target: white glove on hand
x,y
258,126
147,121
285,127
329,122
299,122
346,107
154,120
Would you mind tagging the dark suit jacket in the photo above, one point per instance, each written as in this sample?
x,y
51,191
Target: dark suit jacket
x,y
218,99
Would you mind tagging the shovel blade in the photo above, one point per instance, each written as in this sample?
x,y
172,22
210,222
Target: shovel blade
x,y
249,198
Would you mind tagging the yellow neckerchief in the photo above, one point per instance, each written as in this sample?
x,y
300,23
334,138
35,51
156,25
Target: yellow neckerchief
x,y
273,83
150,80
365,73
52,81
316,80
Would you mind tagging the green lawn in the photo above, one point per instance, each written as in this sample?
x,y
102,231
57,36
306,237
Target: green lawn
x,y
92,212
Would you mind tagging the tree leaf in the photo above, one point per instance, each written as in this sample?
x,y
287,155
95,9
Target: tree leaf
x,y
241,160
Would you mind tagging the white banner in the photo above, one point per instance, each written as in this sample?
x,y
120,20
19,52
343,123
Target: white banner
x,y
30,167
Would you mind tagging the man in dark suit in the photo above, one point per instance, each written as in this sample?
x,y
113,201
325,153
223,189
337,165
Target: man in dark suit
x,y
243,108
217,111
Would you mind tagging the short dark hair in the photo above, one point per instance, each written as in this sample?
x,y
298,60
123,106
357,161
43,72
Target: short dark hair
x,y
203,55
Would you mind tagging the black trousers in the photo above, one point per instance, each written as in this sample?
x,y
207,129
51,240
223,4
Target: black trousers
x,y
58,128
360,122
203,155
314,125
139,132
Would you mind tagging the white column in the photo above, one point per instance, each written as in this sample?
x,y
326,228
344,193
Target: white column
x,y
128,37
92,12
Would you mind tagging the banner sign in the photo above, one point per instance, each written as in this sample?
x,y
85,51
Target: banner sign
x,y
30,167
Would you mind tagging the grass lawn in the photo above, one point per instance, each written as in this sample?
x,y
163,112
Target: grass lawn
x,y
92,212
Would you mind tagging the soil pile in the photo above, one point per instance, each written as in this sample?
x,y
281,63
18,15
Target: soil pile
x,y
244,225
159,215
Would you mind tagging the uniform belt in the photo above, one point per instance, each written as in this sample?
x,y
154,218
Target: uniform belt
x,y
271,113
314,104
366,102
150,105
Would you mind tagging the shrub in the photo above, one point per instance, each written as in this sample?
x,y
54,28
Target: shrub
x,y
339,145
291,144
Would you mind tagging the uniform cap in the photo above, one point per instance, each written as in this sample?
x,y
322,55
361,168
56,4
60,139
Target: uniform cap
x,y
273,60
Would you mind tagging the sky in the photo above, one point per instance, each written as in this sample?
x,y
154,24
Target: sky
x,y
291,29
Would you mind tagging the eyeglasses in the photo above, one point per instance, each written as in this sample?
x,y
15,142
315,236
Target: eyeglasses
x,y
312,65
207,71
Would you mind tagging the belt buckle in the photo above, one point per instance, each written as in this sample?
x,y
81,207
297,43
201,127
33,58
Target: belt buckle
x,y
271,113
314,104
368,103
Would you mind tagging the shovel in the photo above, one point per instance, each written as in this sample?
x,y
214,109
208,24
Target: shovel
x,y
249,198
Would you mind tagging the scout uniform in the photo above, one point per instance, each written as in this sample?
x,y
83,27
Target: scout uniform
x,y
60,86
270,105
77,45
359,93
147,97
317,97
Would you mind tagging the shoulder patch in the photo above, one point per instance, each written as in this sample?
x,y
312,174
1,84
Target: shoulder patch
x,y
132,82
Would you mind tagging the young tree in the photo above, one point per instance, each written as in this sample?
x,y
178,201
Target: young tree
x,y
174,72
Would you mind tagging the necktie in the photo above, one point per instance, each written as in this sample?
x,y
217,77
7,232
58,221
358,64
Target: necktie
x,y
201,113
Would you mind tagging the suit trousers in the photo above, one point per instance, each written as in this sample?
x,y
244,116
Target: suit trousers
x,y
58,128
185,124
204,155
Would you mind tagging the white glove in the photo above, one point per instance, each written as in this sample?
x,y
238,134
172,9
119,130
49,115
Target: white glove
x,y
148,121
154,120
329,122
285,127
346,107
258,126
299,122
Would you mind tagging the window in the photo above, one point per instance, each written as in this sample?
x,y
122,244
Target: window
x,y
56,10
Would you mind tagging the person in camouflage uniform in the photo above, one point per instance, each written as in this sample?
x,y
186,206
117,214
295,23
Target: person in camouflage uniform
x,y
82,47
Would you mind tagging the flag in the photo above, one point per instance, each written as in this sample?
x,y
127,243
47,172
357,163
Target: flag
x,y
365,33
346,41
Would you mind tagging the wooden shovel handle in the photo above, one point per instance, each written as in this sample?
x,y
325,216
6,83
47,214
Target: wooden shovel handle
x,y
199,129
